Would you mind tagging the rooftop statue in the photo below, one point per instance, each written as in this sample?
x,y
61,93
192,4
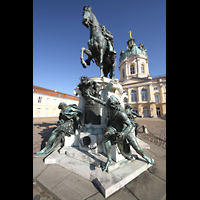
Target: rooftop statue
x,y
115,131
69,121
130,33
100,45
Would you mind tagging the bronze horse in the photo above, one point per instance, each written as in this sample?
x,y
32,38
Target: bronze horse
x,y
99,45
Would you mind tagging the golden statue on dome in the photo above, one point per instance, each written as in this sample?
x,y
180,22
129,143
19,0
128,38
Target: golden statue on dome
x,y
130,33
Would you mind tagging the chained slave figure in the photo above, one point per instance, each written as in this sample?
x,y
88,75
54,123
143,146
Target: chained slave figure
x,y
69,121
119,128
132,115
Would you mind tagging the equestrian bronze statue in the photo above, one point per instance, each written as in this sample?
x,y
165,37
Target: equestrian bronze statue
x,y
100,45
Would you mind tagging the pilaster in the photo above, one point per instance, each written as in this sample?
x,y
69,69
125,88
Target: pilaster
x,y
150,93
139,94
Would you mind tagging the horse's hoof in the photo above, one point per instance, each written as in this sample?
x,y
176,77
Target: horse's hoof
x,y
83,63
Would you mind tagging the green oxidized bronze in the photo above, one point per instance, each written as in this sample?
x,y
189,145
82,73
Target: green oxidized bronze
x,y
118,131
100,45
69,121
92,109
132,115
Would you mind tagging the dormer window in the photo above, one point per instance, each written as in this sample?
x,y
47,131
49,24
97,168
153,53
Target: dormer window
x,y
132,69
123,73
142,68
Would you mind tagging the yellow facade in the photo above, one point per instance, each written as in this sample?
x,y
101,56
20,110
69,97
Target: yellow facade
x,y
147,96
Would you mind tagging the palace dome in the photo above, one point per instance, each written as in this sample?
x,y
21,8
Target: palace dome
x,y
132,49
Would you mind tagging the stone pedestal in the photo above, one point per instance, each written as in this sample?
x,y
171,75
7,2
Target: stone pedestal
x,y
108,87
84,153
88,166
94,120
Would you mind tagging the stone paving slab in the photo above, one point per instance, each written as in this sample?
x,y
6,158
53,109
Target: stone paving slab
x,y
38,167
122,194
52,176
74,187
148,186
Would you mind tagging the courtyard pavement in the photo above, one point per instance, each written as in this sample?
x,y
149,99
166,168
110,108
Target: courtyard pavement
x,y
55,182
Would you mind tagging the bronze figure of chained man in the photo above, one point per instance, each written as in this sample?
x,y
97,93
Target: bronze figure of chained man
x,y
119,128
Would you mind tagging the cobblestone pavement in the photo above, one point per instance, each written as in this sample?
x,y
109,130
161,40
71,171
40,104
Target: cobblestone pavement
x,y
42,128
156,130
40,194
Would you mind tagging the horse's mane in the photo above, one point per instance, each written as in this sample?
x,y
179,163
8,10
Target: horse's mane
x,y
86,8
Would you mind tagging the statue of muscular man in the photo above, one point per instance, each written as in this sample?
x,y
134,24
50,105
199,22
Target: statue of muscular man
x,y
118,119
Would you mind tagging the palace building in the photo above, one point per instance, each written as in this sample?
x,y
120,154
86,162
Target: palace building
x,y
45,101
145,94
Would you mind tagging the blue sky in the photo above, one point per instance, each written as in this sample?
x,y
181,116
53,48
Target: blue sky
x,y
58,35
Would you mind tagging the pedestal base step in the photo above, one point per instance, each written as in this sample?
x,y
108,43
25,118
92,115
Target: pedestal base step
x,y
88,165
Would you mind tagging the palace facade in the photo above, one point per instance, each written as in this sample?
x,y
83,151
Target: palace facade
x,y
45,101
145,94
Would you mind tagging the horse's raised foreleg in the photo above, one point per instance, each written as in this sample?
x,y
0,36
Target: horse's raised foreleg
x,y
89,53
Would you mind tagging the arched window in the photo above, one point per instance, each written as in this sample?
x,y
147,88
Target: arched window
x,y
123,73
142,68
157,98
144,94
132,69
133,96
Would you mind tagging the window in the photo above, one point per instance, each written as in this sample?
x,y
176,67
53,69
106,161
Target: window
x,y
142,68
123,73
132,69
133,96
46,112
38,112
157,99
54,101
48,100
144,94
125,100
39,99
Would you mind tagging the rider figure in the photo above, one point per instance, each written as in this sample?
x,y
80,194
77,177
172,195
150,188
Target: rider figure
x,y
109,37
